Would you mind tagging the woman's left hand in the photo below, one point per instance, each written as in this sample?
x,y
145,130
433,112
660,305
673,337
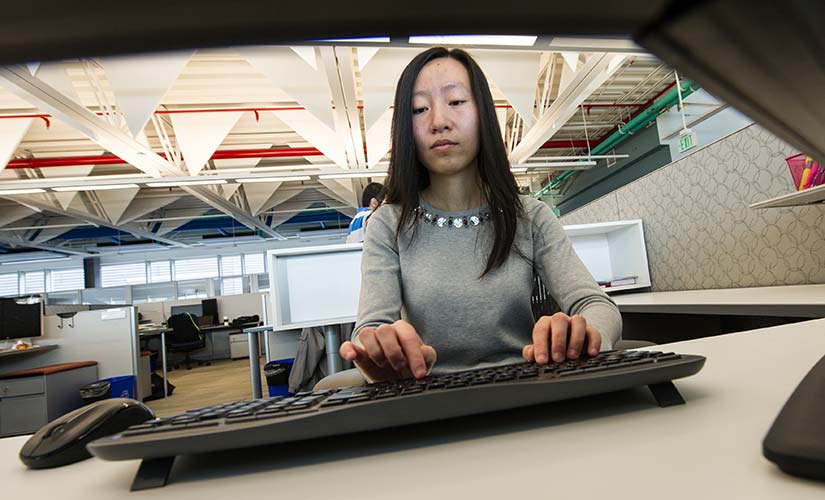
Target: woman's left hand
x,y
563,336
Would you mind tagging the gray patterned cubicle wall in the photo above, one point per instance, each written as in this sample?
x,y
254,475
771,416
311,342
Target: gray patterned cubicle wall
x,y
700,232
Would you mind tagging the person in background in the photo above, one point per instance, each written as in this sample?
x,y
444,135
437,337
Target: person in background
x,y
370,200
450,258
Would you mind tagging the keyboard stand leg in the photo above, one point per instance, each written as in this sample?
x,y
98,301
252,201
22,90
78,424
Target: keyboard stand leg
x,y
153,473
666,394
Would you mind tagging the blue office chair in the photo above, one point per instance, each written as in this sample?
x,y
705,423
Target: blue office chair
x,y
186,337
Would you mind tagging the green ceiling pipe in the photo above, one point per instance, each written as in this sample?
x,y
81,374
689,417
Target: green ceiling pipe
x,y
641,120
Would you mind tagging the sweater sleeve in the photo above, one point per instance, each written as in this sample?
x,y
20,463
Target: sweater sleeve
x,y
568,280
380,299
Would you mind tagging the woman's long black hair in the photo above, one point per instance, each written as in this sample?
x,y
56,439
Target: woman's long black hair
x,y
407,175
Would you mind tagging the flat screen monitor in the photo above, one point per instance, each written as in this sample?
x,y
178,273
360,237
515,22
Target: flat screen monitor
x,y
193,309
19,321
210,310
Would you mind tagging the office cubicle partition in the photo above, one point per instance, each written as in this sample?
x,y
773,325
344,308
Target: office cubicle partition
x,y
108,336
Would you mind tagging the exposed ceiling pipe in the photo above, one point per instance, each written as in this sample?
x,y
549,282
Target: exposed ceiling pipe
x,y
75,161
637,122
558,144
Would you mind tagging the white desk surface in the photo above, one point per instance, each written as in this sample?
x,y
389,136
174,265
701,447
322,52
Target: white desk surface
x,y
611,446
796,300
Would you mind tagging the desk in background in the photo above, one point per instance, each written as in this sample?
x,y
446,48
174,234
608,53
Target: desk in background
x,y
681,315
10,353
148,333
619,446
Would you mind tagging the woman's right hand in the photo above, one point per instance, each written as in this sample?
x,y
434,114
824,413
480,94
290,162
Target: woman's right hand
x,y
390,352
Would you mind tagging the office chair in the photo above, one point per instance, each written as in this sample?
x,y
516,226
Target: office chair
x,y
186,337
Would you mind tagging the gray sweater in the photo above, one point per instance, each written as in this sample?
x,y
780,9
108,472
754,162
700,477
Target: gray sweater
x,y
434,283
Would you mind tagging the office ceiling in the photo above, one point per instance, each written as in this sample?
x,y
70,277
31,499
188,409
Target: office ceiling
x,y
248,120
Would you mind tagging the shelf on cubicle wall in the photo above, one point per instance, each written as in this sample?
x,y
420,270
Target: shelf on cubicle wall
x,y
612,250
808,196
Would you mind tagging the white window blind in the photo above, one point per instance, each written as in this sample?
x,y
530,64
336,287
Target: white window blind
x,y
9,284
66,279
188,269
133,273
232,286
254,263
160,271
231,265
34,282
153,292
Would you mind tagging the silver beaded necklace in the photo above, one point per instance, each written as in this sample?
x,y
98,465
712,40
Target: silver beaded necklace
x,y
450,221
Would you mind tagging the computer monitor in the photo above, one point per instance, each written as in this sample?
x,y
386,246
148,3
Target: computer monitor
x,y
210,311
193,309
19,320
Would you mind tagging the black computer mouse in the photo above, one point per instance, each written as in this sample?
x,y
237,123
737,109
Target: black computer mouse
x,y
63,441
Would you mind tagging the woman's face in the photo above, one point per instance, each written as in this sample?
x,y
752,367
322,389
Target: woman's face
x,y
445,117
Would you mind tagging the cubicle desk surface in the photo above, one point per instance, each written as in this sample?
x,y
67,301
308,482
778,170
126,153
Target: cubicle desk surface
x,y
30,350
804,301
617,446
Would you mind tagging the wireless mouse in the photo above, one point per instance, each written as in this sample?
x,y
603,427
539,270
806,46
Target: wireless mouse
x,y
63,441
796,440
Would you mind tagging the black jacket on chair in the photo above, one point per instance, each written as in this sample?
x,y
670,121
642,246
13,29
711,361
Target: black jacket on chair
x,y
186,336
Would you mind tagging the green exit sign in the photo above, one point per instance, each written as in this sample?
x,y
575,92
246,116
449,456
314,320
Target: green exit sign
x,y
687,140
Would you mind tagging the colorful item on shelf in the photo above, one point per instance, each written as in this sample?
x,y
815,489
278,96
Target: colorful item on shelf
x,y
805,171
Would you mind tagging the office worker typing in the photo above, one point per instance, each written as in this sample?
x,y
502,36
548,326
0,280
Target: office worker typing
x,y
449,259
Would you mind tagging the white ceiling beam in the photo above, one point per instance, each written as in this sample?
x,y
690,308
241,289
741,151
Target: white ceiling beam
x,y
592,75
19,81
85,217
49,248
339,68
9,215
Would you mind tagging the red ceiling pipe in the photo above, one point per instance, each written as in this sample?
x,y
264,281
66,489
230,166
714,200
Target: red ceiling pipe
x,y
72,161
583,144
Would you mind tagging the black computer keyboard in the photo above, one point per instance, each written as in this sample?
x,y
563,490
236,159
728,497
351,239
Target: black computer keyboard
x,y
387,404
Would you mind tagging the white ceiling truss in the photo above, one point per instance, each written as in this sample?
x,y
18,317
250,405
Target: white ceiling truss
x,y
235,117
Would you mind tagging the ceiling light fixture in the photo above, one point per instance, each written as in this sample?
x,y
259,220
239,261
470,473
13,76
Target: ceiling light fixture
x,y
554,164
510,40
11,192
285,178
354,175
34,261
370,39
563,158
102,187
206,182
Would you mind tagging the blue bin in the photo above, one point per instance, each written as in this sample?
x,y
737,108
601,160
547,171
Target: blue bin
x,y
121,387
277,376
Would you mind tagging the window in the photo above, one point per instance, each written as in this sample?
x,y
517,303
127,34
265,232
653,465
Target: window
x,y
66,279
254,263
188,269
34,282
160,271
9,284
195,289
153,292
133,273
232,286
231,265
